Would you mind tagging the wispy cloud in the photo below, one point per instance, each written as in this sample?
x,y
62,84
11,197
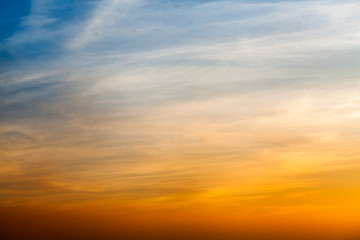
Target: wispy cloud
x,y
181,103
103,22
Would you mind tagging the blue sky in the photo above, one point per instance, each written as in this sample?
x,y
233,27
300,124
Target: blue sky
x,y
35,29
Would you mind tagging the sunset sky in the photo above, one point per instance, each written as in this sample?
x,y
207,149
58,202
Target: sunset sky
x,y
149,118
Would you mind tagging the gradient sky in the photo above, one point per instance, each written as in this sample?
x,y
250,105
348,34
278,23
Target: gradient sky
x,y
217,109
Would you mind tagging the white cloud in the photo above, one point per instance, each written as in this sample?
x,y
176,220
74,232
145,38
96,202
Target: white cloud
x,y
144,77
102,22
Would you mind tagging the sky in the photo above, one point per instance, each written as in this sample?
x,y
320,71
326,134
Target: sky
x,y
223,118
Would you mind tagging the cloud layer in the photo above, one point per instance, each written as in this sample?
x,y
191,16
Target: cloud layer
x,y
252,107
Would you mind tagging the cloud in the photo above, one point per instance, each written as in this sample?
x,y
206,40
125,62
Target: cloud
x,y
174,103
105,17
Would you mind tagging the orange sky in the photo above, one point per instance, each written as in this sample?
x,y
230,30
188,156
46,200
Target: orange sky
x,y
196,119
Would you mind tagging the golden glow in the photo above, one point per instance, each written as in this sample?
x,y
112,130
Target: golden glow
x,y
188,119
